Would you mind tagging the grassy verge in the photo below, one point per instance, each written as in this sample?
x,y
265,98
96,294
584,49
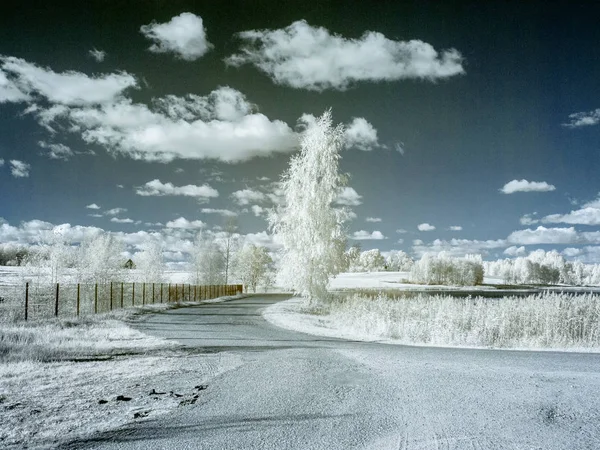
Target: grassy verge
x,y
540,321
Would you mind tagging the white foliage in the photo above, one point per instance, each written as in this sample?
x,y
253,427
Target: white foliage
x,y
100,259
398,261
47,263
208,261
253,266
447,270
150,263
308,226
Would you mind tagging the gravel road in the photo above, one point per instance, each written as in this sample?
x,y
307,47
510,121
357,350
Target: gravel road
x,y
296,391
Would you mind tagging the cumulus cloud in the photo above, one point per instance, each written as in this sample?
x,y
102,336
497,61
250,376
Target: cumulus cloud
x,y
67,88
528,219
583,119
455,228
246,196
184,35
258,210
158,188
218,126
98,55
1,162
118,220
543,235
348,197
307,57
19,169
401,231
361,134
425,227
373,219
92,206
515,251
588,214
221,212
363,235
457,247
183,223
56,151
9,91
115,211
526,186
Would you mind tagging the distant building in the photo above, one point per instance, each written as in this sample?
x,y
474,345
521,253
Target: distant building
x,y
129,264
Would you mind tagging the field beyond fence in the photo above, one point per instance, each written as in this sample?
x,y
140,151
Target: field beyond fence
x,y
38,301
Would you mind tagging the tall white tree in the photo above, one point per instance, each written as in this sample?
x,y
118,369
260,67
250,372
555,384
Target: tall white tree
x,y
100,259
253,266
307,225
150,263
47,263
229,242
208,261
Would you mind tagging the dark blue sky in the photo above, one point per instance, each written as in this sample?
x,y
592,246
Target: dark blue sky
x,y
526,68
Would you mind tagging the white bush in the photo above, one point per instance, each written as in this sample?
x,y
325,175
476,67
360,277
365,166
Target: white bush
x,y
447,270
398,261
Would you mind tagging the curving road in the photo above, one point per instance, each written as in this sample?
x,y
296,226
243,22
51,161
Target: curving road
x,y
296,391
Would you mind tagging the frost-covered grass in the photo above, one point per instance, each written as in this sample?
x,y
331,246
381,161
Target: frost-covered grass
x,y
541,321
60,378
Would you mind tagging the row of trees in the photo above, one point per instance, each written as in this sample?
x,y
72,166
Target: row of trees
x,y
374,261
100,259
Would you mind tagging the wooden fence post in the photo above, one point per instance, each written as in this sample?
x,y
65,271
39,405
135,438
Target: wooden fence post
x,y
152,293
96,299
143,293
133,294
176,299
111,297
189,292
56,302
78,301
161,292
169,292
121,295
26,299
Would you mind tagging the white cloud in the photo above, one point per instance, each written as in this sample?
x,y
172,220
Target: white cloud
x,y
57,151
571,252
588,214
401,231
67,88
582,119
363,235
528,219
1,162
218,126
92,206
361,134
302,56
222,212
183,223
400,241
348,197
19,169
98,55
184,35
246,196
95,215
515,251
258,210
373,219
455,228
117,220
158,188
457,247
543,235
425,227
10,92
526,186
115,211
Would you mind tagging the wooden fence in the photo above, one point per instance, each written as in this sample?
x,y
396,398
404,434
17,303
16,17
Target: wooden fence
x,y
46,300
